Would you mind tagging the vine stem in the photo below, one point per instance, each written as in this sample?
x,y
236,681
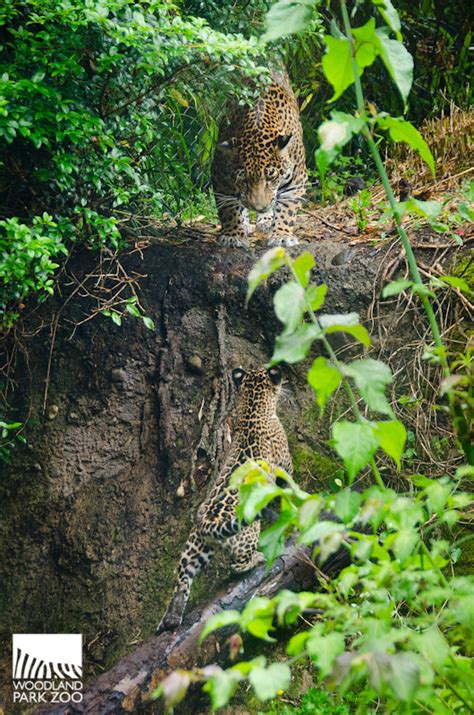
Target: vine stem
x,y
417,279
339,368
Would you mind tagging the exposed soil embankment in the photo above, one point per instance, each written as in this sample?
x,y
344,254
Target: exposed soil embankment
x,y
126,425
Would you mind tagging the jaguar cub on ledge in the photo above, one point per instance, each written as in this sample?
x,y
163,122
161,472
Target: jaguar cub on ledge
x,y
258,434
259,164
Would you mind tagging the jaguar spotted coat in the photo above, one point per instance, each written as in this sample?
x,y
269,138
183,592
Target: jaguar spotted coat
x,y
259,164
258,435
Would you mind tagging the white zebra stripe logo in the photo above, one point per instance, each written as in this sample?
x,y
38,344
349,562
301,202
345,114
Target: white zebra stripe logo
x,y
46,656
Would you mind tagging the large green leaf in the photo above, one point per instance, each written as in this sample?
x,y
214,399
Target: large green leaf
x,y
324,379
324,649
371,377
293,347
268,681
398,62
402,131
302,266
219,620
355,443
347,504
254,497
286,17
389,14
391,436
270,262
337,62
272,540
289,302
257,618
221,686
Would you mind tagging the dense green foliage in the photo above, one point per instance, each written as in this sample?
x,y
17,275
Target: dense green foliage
x,y
92,103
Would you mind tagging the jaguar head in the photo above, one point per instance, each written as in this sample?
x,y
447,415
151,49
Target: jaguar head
x,y
262,171
259,389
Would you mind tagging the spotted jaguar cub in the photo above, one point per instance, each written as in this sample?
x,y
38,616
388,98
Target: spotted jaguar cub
x,y
259,164
258,434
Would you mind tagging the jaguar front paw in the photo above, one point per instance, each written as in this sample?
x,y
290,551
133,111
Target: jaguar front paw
x,y
169,622
282,239
231,241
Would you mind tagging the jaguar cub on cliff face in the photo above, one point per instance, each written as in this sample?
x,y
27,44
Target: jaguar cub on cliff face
x,y
258,434
259,164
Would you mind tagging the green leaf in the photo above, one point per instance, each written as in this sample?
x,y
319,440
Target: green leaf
x,y
116,318
346,323
324,379
324,649
396,287
219,620
402,131
389,14
404,678
391,436
270,262
272,540
315,295
221,686
257,618
456,282
297,643
286,17
302,267
432,645
355,443
293,347
429,209
148,322
371,377
254,497
397,60
289,302
268,681
337,63
347,504
404,543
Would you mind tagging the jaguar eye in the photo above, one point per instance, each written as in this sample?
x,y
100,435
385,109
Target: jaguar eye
x,y
286,178
271,172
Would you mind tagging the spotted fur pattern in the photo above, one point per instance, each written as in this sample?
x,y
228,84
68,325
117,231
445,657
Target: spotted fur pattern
x,y
258,435
259,164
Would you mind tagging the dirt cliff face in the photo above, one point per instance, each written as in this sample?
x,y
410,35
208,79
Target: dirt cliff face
x,y
126,426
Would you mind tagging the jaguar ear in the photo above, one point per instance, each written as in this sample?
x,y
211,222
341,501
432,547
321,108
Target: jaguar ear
x,y
274,373
283,140
238,375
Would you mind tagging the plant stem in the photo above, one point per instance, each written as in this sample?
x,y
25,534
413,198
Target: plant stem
x,y
391,198
333,357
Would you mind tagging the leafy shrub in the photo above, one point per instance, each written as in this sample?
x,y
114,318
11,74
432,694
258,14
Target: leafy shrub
x,y
95,105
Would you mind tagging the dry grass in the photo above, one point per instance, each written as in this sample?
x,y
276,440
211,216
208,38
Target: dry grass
x,y
451,140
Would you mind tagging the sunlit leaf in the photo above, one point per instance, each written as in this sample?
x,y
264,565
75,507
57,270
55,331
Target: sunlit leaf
x,y
391,436
402,131
219,620
268,681
289,302
286,17
324,379
270,262
371,377
302,266
398,61
355,443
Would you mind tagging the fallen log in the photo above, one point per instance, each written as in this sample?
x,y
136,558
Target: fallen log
x,y
127,686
